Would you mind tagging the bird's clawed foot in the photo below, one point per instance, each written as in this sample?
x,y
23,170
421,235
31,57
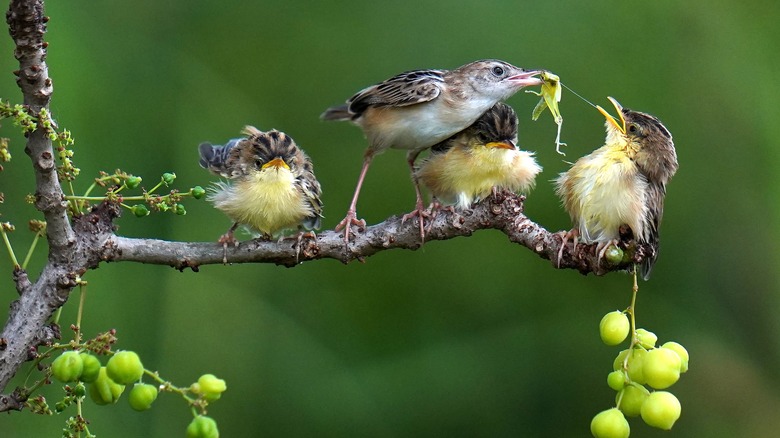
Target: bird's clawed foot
x,y
565,236
299,239
350,220
421,214
228,239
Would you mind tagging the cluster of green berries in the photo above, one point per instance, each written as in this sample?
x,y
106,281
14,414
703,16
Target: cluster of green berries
x,y
641,364
169,202
107,383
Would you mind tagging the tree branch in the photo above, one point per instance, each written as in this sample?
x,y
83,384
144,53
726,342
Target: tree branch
x,y
503,212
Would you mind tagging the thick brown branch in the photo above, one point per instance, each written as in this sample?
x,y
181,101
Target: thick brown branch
x,y
503,212
23,330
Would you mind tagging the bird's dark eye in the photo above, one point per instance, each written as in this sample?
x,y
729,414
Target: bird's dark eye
x,y
498,71
633,129
259,163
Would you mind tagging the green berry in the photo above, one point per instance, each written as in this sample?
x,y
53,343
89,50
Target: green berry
x,y
79,390
616,380
610,424
634,397
91,368
210,386
168,178
614,255
614,327
681,351
646,338
103,390
139,210
141,396
202,427
125,367
133,181
67,367
198,192
661,368
635,361
179,209
661,410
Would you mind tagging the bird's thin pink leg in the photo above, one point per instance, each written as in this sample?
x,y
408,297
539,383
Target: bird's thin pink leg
x,y
351,217
419,210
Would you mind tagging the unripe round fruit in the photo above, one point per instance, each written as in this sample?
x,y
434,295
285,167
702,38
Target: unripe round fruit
x,y
681,351
646,338
210,386
67,367
79,390
202,427
179,210
141,396
104,390
133,181
617,364
636,364
124,367
610,424
661,368
91,368
168,178
139,210
614,255
616,380
661,410
634,397
614,327
198,192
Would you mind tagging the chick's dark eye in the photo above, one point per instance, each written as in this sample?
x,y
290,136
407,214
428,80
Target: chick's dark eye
x,y
632,128
498,71
259,163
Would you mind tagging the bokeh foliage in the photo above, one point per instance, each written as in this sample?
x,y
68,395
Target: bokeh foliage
x,y
467,337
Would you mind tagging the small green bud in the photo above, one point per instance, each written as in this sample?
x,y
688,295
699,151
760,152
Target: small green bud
x,y
79,390
198,192
133,181
139,210
179,210
168,178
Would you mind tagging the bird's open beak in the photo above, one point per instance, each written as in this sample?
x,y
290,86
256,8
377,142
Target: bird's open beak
x,y
526,79
277,162
501,145
621,126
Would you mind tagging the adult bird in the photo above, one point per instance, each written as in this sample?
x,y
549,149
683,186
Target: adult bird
x,y
416,109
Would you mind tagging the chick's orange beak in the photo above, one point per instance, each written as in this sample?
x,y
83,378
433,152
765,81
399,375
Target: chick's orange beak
x,y
620,126
501,145
277,163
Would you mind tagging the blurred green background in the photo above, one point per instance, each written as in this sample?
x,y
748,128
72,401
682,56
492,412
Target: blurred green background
x,y
469,337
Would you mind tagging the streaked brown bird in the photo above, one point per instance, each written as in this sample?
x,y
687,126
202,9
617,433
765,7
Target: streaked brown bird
x,y
623,183
417,109
469,165
270,184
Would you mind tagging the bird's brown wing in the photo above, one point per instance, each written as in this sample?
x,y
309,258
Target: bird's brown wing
x,y
311,189
405,89
655,211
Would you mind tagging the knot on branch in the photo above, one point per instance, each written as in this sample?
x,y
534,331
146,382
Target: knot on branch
x,y
93,230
